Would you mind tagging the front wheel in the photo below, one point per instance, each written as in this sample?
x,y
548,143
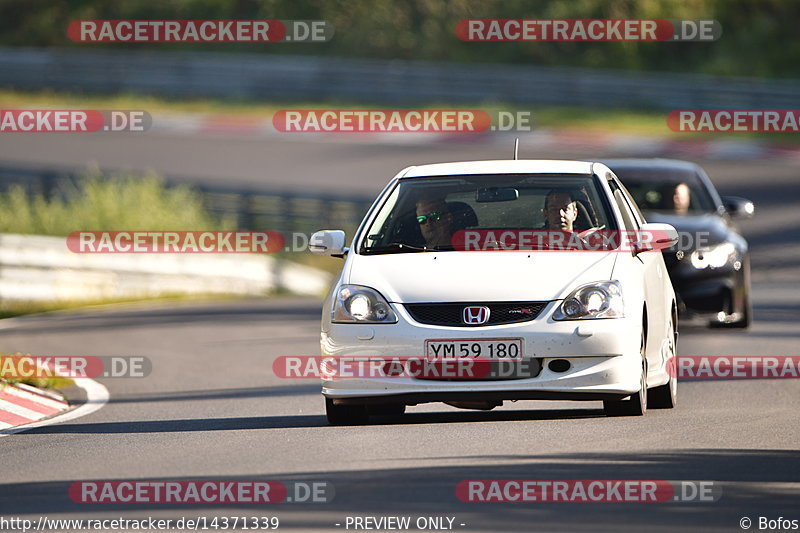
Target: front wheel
x,y
666,396
636,404
346,415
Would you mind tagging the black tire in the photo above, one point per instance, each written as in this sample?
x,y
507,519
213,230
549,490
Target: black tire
x,y
666,396
346,415
636,404
387,409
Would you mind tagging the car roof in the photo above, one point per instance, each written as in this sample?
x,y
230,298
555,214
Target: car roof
x,y
654,163
508,166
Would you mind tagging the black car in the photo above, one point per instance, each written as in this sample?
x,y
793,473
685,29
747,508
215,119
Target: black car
x,y
710,265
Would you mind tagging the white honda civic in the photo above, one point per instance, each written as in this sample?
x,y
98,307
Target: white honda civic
x,y
472,283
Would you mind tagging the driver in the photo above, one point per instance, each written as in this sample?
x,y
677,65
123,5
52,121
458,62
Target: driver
x,y
435,222
681,198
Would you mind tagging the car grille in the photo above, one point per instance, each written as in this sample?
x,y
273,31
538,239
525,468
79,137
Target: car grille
x,y
450,314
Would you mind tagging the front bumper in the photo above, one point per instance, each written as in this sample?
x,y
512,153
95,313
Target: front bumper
x,y
603,354
705,292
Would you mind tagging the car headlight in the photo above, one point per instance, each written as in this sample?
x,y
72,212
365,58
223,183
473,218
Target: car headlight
x,y
713,256
602,299
357,304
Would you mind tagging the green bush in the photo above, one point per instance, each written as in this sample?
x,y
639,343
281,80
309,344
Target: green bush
x,y
113,203
759,37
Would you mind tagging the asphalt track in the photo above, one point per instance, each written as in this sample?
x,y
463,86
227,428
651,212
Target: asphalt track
x,y
212,408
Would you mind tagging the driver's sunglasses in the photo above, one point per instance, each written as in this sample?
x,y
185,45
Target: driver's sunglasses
x,y
423,219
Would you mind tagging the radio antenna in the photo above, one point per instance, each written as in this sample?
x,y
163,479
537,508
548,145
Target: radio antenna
x,y
516,149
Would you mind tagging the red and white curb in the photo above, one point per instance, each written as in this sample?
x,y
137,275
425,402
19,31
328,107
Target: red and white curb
x,y
22,405
23,409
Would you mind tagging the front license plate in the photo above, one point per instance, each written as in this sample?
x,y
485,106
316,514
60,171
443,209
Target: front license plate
x,y
455,349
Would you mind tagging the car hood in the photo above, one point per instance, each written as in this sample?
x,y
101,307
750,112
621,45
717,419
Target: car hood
x,y
479,276
711,227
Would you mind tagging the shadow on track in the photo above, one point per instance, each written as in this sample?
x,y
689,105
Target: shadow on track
x,y
217,394
307,421
754,482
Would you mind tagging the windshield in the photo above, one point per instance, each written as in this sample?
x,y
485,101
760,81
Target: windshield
x,y
424,213
671,191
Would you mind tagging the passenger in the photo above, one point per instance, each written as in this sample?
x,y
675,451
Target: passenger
x,y
560,211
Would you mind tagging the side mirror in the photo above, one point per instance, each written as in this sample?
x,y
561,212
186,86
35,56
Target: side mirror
x,y
655,236
328,242
738,207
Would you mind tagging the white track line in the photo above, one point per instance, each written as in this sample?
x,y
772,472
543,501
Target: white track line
x,y
96,397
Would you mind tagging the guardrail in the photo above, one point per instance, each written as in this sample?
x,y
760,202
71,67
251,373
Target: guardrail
x,y
261,209
299,78
40,268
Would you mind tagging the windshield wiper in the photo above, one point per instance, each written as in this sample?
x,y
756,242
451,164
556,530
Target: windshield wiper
x,y
399,247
